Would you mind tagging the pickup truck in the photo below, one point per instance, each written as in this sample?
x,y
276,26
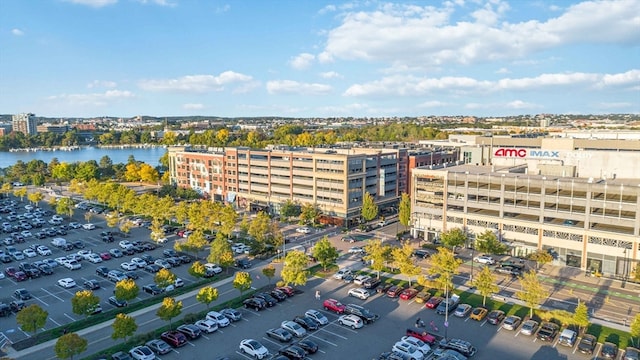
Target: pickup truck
x,y
448,305
422,335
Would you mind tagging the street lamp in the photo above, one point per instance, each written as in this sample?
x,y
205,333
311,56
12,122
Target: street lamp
x,y
446,310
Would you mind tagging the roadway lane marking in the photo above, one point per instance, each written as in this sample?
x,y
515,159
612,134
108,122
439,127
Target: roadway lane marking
x,y
327,341
332,333
50,293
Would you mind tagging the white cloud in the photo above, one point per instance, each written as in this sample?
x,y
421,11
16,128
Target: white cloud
x,y
519,104
223,9
158,2
428,36
196,83
294,87
330,75
94,3
434,104
101,84
17,32
193,106
631,77
503,71
302,61
96,99
327,9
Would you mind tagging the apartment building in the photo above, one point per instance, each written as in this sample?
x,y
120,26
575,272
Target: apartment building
x,y
335,180
587,223
25,123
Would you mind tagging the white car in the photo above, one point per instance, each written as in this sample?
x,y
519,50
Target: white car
x,y
28,252
128,266
360,293
317,316
207,325
88,226
351,321
56,217
213,267
61,260
419,344
94,258
254,349
54,222
484,259
360,279
142,353
43,250
303,230
218,318
138,262
342,273
294,328
26,233
125,244
72,265
407,350
84,254
67,283
356,250
163,263
75,225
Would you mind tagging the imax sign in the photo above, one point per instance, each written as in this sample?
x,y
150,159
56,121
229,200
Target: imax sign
x,y
525,153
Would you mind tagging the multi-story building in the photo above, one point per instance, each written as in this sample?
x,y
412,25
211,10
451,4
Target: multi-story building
x,y
334,180
56,129
25,123
587,223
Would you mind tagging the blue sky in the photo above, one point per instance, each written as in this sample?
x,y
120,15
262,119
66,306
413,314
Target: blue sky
x,y
303,58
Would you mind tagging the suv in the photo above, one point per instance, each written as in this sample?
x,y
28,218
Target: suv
x,y
567,338
587,344
174,338
333,305
463,347
371,283
361,312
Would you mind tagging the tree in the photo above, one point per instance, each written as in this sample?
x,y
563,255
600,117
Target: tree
x,y
444,265
126,290
20,192
541,257
289,209
197,269
258,229
377,255
220,252
326,253
369,207
532,292
404,210
35,197
88,216
269,271
228,220
112,219
454,237
242,281
125,227
485,282
164,278
309,213
581,316
169,309
123,327
488,242
294,270
207,295
31,318
69,345
403,260
84,302
635,274
634,328
65,206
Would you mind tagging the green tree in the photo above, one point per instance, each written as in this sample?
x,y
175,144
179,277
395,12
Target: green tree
x,y
125,227
193,244
197,269
269,271
289,209
377,255
35,198
485,282
369,207
488,242
532,292
634,328
126,290
403,260
309,213
84,302
123,327
541,257
259,229
220,252
69,345
635,274
31,318
445,266
207,295
294,270
454,237
169,309
228,220
20,192
404,210
326,253
164,278
581,316
242,281
65,206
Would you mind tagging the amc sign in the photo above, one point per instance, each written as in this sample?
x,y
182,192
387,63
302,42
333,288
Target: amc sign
x,y
525,153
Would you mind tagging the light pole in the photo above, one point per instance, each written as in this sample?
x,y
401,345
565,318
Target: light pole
x,y
446,310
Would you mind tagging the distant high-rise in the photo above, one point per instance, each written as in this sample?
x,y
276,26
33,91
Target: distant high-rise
x,y
25,123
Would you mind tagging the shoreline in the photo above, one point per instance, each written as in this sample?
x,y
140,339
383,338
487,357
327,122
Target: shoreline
x,y
82,147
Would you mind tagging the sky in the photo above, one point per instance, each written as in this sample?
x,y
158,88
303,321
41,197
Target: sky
x,y
314,58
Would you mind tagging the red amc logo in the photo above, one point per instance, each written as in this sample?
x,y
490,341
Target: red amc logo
x,y
520,153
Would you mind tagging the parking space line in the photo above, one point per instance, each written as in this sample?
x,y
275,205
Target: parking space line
x,y
190,343
327,341
45,304
243,355
55,322
50,293
205,336
332,333
67,315
271,341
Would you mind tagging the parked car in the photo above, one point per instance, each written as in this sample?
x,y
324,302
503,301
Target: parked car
x,y
395,291
351,321
294,328
174,338
293,352
422,335
254,303
116,302
433,302
317,316
287,290
371,283
278,295
142,353
609,350
423,296
67,283
361,312
333,305
219,318
359,293
158,346
190,330
307,345
407,350
91,284
254,349
152,289
279,334
341,274
22,294
495,317
511,322
306,322
408,294
484,259
529,327
547,331
207,325
479,313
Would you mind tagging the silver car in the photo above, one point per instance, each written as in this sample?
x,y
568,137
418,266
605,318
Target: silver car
x,y
529,327
511,322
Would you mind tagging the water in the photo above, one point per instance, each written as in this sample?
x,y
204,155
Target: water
x,y
149,155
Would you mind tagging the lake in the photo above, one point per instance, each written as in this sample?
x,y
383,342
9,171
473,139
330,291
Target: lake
x,y
149,155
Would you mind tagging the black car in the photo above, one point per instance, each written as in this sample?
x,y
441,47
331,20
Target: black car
x,y
495,317
307,345
108,239
190,330
280,334
22,294
152,289
169,253
547,331
254,303
278,295
174,261
5,310
128,251
243,263
148,246
116,302
587,344
92,284
45,269
79,244
102,271
609,350
132,275
152,268
306,322
268,299
17,305
293,352
384,288
148,258
185,259
371,283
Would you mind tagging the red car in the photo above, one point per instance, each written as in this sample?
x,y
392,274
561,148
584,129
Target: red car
x,y
408,294
174,338
286,289
10,271
20,276
422,335
105,256
433,302
333,305
395,291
